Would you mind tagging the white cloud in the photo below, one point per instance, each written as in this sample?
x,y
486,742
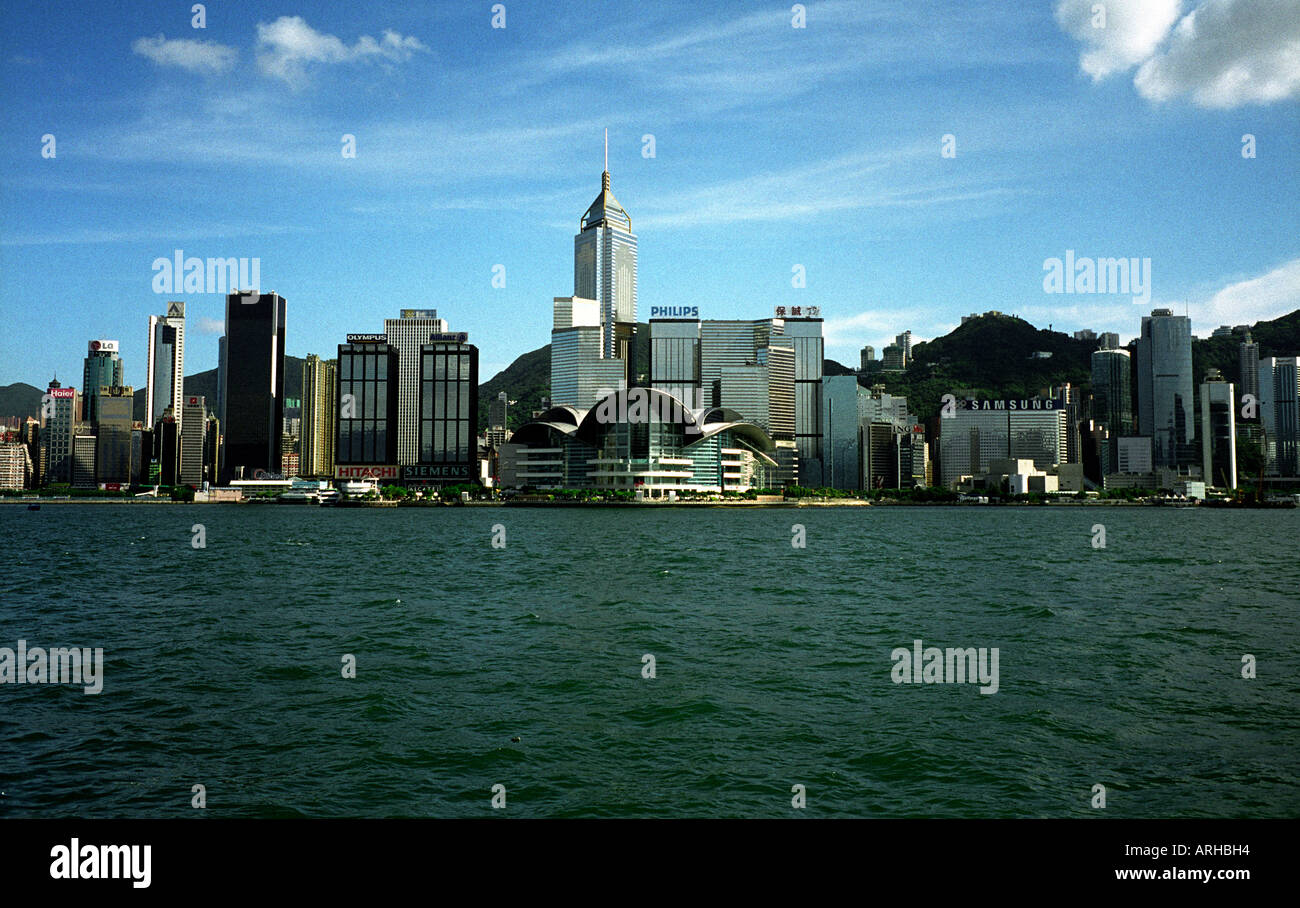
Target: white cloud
x,y
288,45
1227,53
1258,299
196,56
208,325
1120,35
1222,53
846,335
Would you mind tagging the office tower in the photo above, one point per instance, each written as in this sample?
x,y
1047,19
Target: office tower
x,y
1112,401
675,359
1087,334
165,375
167,439
1039,436
868,358
499,411
32,439
367,406
253,393
448,412
763,391
1248,368
732,343
319,396
893,359
84,444
604,270
841,421
1109,340
984,430
1164,392
407,334
581,373
1218,432
194,442
914,458
1279,410
103,369
113,462
1134,455
904,341
221,380
804,335
60,415
881,455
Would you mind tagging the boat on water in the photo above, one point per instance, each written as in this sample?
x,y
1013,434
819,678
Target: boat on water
x,y
33,507
298,496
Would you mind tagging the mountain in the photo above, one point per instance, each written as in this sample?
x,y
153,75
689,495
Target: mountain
x,y
20,399
988,356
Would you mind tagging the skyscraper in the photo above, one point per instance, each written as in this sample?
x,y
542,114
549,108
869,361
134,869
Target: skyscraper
x,y
194,443
319,399
1112,404
60,414
581,373
113,429
103,369
1164,392
407,334
1279,411
165,376
448,412
675,359
368,414
804,335
604,270
1248,368
1218,432
253,392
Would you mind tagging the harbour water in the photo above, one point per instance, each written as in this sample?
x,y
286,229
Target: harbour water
x,y
223,665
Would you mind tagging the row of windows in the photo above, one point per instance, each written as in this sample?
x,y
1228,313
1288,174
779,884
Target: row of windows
x,y
363,441
363,399
363,366
447,441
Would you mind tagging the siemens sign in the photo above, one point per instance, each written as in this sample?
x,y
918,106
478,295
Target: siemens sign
x,y
674,311
1035,404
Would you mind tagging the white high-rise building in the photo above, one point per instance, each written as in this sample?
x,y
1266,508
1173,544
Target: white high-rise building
x,y
166,366
604,267
581,373
408,334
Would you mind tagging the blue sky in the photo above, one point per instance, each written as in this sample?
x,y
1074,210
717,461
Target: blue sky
x,y
775,146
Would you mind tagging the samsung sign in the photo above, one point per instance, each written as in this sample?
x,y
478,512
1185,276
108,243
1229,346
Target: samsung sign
x,y
674,311
1035,404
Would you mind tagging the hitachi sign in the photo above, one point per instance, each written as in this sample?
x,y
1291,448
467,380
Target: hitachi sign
x,y
674,311
385,471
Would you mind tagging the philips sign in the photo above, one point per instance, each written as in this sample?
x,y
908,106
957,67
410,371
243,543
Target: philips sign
x,y
674,311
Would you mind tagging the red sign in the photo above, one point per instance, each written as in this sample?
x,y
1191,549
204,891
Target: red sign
x,y
384,471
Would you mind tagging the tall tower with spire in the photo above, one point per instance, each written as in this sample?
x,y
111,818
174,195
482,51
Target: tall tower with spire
x,y
604,269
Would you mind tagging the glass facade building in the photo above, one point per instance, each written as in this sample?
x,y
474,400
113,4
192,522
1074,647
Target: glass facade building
x,y
675,359
253,389
1164,392
113,432
1218,433
448,412
604,270
1112,401
102,369
407,335
367,405
1279,410
165,371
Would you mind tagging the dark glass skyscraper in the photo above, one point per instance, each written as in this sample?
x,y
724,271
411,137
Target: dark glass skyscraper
x,y
103,369
1164,375
367,406
253,387
448,411
1112,404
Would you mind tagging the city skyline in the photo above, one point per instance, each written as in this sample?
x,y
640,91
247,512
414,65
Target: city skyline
x,y
755,171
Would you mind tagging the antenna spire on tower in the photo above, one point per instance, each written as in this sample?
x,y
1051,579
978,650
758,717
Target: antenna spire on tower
x,y
606,149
